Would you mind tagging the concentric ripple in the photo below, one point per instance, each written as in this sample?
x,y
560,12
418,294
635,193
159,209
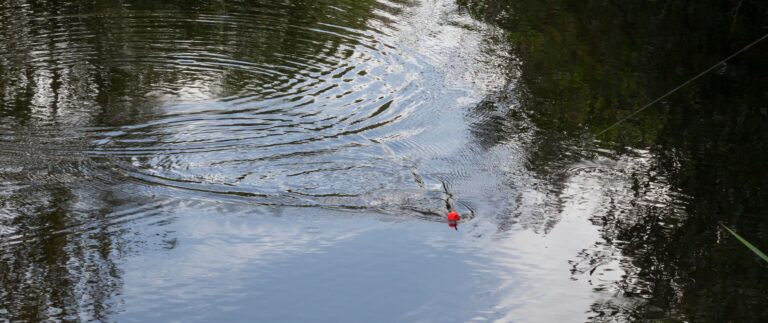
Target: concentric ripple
x,y
282,103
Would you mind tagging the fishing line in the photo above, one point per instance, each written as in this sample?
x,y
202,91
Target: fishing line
x,y
681,85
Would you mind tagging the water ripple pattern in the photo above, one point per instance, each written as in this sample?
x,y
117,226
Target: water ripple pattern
x,y
284,103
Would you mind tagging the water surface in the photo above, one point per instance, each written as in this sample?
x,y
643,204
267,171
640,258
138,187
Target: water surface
x,y
294,161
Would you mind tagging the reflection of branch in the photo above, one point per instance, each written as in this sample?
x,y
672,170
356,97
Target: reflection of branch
x,y
736,15
448,198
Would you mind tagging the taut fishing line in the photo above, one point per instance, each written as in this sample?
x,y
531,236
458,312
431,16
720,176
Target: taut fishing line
x,y
681,85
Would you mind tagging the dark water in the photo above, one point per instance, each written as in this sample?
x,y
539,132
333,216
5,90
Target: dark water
x,y
294,161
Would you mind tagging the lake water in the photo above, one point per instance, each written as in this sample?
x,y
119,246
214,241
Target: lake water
x,y
266,161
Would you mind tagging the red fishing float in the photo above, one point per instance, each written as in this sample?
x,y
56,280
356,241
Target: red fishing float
x,y
453,220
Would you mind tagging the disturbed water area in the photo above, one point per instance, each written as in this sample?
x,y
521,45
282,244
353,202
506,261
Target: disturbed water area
x,y
294,161
281,161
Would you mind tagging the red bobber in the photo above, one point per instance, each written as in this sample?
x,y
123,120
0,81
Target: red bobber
x,y
454,216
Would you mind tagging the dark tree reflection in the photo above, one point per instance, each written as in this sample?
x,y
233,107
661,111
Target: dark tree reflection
x,y
48,273
583,65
